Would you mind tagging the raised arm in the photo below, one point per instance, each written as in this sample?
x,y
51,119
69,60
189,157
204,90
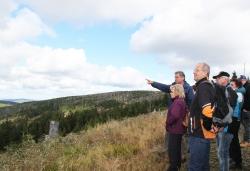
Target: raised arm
x,y
162,87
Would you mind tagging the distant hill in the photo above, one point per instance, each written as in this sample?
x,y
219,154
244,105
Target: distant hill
x,y
11,102
74,103
74,113
17,100
5,103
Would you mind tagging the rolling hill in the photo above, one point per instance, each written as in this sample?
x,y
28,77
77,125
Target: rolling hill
x,y
17,100
6,103
73,113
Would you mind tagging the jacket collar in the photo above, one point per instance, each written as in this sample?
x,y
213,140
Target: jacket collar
x,y
177,98
200,81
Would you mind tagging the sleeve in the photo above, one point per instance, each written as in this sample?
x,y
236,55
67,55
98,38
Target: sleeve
x,y
205,98
240,97
162,87
240,100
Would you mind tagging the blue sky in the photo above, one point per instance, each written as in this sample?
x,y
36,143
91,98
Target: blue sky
x,y
61,48
106,44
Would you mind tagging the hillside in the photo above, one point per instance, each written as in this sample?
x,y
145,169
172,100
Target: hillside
x,y
5,103
73,113
18,100
134,144
75,103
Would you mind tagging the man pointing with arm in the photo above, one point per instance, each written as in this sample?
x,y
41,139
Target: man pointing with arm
x,y
179,79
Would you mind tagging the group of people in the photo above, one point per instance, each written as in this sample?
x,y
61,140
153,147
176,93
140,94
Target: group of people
x,y
192,115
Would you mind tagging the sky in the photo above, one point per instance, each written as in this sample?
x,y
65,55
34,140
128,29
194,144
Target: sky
x,y
57,48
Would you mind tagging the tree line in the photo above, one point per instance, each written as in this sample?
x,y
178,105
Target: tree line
x,y
35,121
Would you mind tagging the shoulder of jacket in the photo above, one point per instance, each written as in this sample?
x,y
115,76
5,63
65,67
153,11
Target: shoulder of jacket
x,y
205,84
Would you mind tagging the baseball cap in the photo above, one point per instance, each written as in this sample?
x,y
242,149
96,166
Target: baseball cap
x,y
222,73
243,77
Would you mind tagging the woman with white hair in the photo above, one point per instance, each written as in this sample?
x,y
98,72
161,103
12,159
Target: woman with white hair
x,y
175,127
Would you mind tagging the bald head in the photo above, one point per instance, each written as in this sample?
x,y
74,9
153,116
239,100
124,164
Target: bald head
x,y
202,70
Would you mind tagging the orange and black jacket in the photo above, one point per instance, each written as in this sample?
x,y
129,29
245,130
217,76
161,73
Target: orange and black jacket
x,y
201,111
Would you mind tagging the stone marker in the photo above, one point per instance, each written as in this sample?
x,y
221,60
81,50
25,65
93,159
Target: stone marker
x,y
53,129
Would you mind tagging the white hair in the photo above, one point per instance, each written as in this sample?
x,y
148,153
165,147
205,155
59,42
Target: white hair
x,y
205,68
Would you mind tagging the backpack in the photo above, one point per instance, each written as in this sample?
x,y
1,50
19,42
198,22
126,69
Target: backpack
x,y
224,101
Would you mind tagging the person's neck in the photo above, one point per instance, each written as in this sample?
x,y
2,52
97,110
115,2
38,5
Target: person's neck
x,y
182,83
225,84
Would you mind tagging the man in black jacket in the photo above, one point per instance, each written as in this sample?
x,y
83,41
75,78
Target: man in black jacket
x,y
246,112
225,136
201,128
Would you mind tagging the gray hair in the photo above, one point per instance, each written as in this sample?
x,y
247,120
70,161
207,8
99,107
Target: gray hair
x,y
181,73
205,68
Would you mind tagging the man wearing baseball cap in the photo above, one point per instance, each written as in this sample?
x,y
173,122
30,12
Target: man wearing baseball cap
x,y
225,136
246,112
221,74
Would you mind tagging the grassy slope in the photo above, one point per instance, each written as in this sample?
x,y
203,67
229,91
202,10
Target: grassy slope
x,y
3,105
133,144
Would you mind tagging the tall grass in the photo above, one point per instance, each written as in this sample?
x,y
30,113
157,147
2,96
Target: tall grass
x,y
131,144
134,144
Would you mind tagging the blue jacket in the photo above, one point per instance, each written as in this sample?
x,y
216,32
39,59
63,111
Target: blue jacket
x,y
189,94
237,111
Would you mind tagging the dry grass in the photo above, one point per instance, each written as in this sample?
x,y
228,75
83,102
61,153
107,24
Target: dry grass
x,y
132,144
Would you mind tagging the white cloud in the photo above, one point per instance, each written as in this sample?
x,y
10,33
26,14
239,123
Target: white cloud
x,y
40,72
180,32
25,25
6,6
62,72
82,12
197,30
